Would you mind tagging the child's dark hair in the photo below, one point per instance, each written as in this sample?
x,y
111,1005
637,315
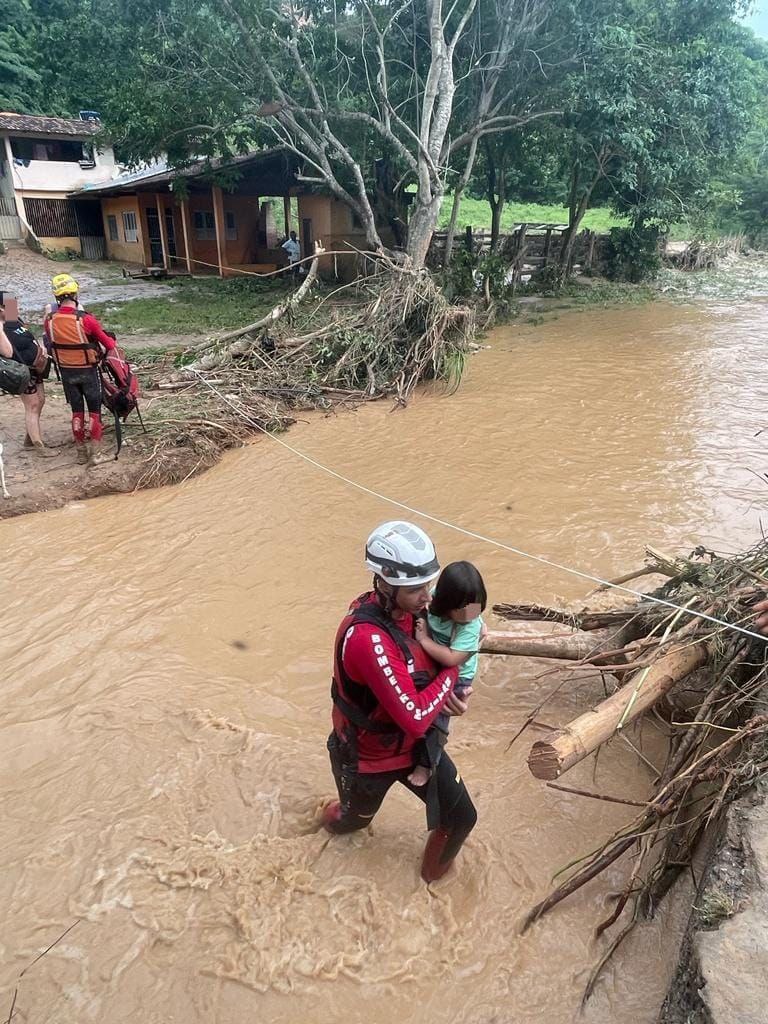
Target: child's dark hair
x,y
460,584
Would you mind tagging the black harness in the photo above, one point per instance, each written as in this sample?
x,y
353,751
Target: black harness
x,y
359,702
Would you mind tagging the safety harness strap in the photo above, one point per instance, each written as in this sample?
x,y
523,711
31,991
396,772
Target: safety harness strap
x,y
358,715
84,345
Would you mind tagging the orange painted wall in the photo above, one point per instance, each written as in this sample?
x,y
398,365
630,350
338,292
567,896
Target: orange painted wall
x,y
333,225
238,250
125,252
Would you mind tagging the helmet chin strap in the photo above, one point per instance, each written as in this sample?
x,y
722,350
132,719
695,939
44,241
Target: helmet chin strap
x,y
387,596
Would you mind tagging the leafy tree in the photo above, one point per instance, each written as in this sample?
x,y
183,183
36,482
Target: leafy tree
x,y
375,97
665,92
642,99
19,80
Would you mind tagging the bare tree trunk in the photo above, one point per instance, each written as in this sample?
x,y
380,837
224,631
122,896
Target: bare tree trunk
x,y
562,749
496,192
451,232
422,227
578,205
459,191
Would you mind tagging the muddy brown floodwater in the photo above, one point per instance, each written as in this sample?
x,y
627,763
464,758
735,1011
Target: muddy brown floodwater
x,y
165,666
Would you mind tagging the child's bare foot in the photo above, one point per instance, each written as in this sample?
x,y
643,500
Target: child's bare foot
x,y
419,776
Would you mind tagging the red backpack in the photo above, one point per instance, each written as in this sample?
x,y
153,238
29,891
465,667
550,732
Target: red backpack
x,y
120,388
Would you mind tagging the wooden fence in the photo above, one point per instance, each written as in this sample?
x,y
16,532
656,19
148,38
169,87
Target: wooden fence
x,y
528,246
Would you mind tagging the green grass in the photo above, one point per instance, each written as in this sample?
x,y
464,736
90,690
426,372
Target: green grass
x,y
477,212
193,307
607,293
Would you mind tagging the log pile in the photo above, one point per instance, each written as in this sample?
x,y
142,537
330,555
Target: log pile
x,y
717,749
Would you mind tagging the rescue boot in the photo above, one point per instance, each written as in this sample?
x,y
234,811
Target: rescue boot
x,y
78,432
433,865
330,816
96,457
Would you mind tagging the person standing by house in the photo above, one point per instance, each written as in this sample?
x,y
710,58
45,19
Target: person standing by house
x,y
78,342
17,342
293,249
386,693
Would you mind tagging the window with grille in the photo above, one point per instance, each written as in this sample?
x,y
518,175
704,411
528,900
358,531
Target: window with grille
x,y
130,227
112,226
231,223
205,226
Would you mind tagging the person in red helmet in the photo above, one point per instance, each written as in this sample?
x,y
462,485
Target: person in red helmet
x,y
386,693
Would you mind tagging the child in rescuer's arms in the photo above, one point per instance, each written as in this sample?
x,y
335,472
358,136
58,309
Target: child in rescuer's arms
x,y
451,636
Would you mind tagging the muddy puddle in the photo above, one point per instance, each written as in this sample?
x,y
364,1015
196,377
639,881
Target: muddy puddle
x,y
166,659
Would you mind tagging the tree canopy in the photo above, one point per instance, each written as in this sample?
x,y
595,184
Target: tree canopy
x,y
635,103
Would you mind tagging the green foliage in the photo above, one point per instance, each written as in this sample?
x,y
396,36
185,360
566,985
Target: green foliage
x,y
661,97
546,281
60,255
467,274
633,254
19,80
477,212
658,113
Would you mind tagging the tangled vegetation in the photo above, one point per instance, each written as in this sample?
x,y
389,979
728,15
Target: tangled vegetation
x,y
703,682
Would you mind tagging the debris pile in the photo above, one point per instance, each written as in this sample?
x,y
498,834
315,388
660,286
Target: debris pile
x,y
378,337
704,683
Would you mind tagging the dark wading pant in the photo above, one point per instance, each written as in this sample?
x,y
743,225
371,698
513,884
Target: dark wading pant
x,y
361,795
82,387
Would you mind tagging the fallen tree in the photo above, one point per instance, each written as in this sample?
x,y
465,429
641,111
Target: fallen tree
x,y
717,748
379,336
552,756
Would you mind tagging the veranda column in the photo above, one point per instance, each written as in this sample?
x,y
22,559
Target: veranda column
x,y
218,216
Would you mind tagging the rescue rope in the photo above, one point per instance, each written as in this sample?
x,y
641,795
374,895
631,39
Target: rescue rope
x,y
280,270
471,533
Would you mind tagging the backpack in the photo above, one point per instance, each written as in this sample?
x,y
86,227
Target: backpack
x,y
14,376
120,388
42,362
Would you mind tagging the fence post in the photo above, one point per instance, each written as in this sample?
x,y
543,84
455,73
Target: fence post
x,y
590,251
547,245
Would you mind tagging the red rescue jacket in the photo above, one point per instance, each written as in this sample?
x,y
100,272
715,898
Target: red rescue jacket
x,y
386,689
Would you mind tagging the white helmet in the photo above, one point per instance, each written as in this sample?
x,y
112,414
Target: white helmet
x,y
402,554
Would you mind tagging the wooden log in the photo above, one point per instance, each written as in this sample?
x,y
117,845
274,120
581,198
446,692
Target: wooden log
x,y
578,620
566,648
557,753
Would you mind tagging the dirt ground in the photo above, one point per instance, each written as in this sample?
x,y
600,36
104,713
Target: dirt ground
x,y
27,275
36,482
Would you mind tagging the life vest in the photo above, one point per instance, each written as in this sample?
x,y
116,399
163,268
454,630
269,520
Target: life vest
x,y
69,343
357,702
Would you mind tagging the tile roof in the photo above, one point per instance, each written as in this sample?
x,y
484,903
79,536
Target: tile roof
x,y
46,125
159,173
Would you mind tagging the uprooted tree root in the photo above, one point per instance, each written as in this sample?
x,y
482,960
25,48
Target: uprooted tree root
x,y
714,756
378,337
